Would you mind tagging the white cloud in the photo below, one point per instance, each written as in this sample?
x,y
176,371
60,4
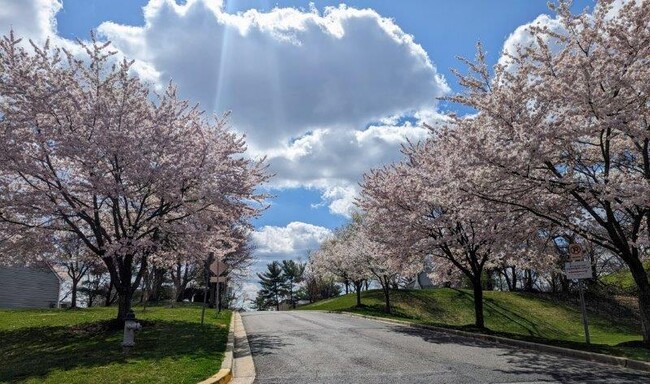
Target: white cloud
x,y
290,242
273,243
285,72
33,19
302,85
334,161
521,37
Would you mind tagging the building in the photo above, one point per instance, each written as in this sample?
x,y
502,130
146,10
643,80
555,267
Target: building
x,y
33,286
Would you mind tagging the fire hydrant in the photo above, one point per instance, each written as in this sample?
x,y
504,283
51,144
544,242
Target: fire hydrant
x,y
130,326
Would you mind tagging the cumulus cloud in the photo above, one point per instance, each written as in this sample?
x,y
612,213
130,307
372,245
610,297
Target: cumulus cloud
x,y
522,38
292,241
32,19
334,161
302,85
285,72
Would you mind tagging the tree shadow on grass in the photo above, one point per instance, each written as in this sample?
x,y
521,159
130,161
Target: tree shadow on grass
x,y
493,309
35,352
522,362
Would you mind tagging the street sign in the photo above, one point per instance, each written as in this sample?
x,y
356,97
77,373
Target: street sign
x,y
578,270
218,267
576,252
218,279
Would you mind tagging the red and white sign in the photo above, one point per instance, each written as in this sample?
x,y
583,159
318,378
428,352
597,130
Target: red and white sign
x,y
576,253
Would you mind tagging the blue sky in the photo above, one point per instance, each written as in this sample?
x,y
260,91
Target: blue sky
x,y
446,29
325,94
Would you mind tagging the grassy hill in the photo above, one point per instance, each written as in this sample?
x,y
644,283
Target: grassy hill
x,y
532,317
622,280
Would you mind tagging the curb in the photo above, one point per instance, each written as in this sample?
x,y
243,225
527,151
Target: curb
x,y
584,355
225,373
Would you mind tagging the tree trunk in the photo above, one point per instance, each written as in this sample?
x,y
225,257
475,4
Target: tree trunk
x,y
528,282
358,285
91,295
504,273
564,283
387,308
641,278
121,271
156,283
73,300
124,303
108,301
554,279
386,288
489,284
514,278
180,294
478,302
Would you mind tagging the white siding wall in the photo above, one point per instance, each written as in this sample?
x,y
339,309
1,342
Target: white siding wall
x,y
23,287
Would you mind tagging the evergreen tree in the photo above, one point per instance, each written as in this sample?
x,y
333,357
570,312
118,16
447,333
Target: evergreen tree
x,y
293,273
274,285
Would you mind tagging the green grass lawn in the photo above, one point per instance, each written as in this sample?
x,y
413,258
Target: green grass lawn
x,y
524,316
82,346
623,279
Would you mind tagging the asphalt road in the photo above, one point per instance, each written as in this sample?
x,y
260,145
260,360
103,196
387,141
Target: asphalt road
x,y
315,347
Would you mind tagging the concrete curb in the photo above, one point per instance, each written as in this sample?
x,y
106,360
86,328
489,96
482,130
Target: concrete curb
x,y
225,373
584,355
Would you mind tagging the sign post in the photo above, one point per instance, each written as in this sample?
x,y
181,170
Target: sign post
x,y
206,275
579,269
585,321
216,289
218,267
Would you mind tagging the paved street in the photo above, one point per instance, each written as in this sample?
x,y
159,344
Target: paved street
x,y
313,347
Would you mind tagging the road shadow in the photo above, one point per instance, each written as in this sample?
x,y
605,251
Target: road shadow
x,y
30,353
262,344
523,361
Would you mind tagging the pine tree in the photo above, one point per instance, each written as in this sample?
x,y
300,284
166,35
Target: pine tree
x,y
293,273
274,285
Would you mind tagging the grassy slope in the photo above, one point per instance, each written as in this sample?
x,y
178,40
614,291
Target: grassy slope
x,y
79,346
519,315
623,279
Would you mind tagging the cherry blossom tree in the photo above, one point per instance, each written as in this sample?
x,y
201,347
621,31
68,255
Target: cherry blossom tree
x,y
387,261
419,205
563,133
88,150
344,256
352,253
185,267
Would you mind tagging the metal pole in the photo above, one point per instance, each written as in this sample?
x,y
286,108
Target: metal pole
x,y
218,298
585,322
206,275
